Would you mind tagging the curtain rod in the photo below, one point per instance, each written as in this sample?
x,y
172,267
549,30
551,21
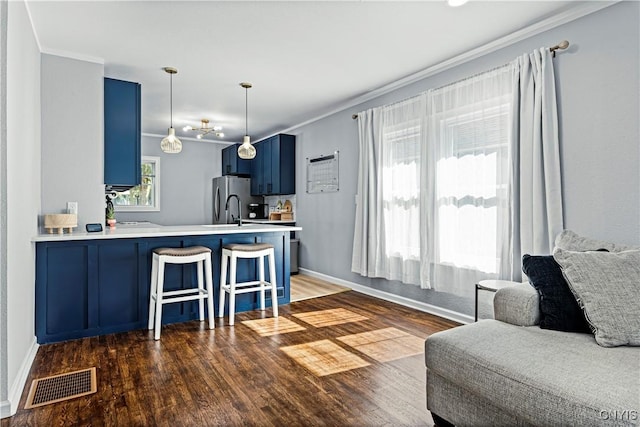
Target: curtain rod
x,y
560,46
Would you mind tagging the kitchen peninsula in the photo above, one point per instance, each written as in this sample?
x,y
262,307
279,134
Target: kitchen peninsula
x,y
91,284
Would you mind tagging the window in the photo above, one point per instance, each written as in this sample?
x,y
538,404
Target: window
x,y
401,189
471,187
143,197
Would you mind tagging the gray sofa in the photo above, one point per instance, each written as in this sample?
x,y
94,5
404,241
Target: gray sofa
x,y
510,372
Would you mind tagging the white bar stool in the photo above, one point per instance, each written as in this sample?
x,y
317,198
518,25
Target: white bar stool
x,y
162,256
253,250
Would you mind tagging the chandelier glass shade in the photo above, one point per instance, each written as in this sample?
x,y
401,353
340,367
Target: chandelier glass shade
x,y
246,150
171,144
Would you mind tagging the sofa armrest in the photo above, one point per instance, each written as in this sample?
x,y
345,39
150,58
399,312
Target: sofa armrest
x,y
518,305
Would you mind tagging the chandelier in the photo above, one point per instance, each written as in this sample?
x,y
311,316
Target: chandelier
x,y
205,130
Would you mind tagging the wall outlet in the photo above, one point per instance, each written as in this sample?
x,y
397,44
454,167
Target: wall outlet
x,y
72,207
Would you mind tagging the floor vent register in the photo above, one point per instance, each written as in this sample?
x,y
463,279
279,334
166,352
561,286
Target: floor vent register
x,y
58,388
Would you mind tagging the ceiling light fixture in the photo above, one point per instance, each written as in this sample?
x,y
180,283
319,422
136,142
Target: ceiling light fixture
x,y
205,130
170,143
456,3
246,150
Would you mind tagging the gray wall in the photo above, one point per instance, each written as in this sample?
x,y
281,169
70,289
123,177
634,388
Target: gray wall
x,y
186,183
598,85
72,137
22,203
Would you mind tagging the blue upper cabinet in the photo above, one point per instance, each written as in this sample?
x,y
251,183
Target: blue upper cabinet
x,y
234,165
122,153
273,170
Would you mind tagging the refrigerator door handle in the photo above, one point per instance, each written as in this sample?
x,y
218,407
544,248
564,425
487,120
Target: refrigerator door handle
x,y
216,207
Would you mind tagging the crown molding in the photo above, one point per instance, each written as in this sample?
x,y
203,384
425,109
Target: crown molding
x,y
575,12
73,55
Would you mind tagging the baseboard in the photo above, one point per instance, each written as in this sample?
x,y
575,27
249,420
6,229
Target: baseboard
x,y
407,302
10,406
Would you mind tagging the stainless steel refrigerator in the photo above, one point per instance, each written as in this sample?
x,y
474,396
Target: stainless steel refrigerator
x,y
223,187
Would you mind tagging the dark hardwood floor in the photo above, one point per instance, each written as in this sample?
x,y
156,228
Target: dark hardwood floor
x,y
235,376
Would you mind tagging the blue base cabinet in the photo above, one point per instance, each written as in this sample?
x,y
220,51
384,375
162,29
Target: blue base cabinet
x,y
95,287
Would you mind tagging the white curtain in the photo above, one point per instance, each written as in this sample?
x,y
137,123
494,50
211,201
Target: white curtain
x,y
387,239
536,179
455,184
468,169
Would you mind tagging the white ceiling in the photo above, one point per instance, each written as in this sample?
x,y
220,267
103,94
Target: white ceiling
x,y
304,58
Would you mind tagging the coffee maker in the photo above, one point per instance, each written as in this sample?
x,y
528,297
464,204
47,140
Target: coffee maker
x,y
258,210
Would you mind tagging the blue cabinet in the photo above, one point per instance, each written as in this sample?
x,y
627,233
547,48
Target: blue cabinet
x,y
273,170
95,287
122,152
234,165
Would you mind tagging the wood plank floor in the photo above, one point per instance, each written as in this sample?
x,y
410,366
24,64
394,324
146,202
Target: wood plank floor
x,y
305,287
269,372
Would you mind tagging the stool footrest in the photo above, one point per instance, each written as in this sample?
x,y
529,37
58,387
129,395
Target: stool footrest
x,y
171,297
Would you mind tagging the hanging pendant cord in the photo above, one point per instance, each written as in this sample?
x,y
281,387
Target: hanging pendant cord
x,y
171,97
246,111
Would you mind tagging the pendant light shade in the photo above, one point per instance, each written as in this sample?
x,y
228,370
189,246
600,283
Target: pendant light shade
x,y
246,151
171,144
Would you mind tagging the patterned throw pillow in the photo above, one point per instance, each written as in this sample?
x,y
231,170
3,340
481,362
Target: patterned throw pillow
x,y
559,309
607,287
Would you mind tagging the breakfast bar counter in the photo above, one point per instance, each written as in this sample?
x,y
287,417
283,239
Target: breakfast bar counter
x,y
91,284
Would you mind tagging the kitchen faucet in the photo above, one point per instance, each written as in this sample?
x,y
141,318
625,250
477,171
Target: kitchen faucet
x,y
226,207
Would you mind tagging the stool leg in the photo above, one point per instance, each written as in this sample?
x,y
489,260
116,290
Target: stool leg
x,y
232,289
261,261
223,284
209,281
272,278
160,288
476,319
152,291
200,267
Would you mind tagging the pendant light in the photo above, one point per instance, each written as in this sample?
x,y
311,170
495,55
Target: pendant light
x,y
170,143
246,150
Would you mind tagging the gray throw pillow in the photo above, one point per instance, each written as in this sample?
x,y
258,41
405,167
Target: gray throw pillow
x,y
607,287
570,241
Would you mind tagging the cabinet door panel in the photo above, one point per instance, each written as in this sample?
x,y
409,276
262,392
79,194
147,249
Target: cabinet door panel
x,y
122,153
64,299
119,293
267,166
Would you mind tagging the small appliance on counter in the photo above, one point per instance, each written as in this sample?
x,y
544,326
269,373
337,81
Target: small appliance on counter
x,y
258,210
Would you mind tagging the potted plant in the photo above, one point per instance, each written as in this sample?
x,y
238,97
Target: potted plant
x,y
110,214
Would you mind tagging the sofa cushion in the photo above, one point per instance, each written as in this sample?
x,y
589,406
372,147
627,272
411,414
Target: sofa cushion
x,y
607,287
544,377
559,309
570,241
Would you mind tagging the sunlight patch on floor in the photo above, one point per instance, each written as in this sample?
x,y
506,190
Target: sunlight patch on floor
x,y
324,357
385,345
273,326
335,316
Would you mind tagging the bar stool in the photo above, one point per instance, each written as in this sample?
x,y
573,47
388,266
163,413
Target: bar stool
x,y
157,298
253,250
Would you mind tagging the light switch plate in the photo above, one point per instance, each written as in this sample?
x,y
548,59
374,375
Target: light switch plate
x,y
72,207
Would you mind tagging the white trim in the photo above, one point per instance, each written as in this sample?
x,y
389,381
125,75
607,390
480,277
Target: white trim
x,y
188,138
33,27
556,20
73,55
10,406
406,302
156,190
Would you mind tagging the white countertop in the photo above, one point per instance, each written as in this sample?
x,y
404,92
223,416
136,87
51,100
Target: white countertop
x,y
128,232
